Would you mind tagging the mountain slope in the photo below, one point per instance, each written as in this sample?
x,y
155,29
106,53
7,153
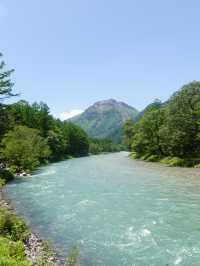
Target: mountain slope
x,y
104,119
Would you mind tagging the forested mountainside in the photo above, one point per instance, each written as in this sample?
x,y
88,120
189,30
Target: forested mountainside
x,y
105,119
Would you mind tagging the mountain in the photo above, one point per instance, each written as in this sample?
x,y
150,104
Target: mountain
x,y
155,104
105,119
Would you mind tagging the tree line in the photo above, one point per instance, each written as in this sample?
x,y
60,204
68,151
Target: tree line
x,y
168,132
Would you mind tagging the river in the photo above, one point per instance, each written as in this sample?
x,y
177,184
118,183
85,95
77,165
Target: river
x,y
115,210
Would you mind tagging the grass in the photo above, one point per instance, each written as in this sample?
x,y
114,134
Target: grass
x,y
171,161
12,227
12,253
13,232
72,257
174,161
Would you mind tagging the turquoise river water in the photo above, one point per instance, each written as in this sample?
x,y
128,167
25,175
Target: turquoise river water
x,y
115,210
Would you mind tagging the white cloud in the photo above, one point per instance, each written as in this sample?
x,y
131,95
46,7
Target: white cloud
x,y
70,114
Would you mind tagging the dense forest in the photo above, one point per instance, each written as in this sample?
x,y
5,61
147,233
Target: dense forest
x,y
168,132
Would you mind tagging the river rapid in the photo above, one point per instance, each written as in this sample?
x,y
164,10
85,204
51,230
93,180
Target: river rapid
x,y
115,210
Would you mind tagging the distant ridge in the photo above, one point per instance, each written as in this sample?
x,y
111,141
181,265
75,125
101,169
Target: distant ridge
x,y
105,119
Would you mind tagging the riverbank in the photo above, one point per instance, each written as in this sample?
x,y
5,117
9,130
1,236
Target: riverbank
x,y
30,249
170,161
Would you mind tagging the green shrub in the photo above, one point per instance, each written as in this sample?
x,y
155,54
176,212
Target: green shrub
x,y
6,175
145,157
153,158
12,253
134,155
24,148
2,183
197,165
11,226
173,161
13,169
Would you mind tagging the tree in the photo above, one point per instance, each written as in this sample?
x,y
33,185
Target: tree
x,y
5,83
24,149
128,133
5,92
146,140
171,129
78,139
181,128
33,116
58,144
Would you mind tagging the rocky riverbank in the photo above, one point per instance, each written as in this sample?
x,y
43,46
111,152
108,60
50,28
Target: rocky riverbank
x,y
37,250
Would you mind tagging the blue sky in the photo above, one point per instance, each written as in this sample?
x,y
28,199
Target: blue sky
x,y
73,53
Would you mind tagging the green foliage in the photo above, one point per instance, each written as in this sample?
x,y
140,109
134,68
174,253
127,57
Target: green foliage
x,y
63,138
13,235
134,155
5,83
24,148
77,139
72,257
6,175
128,133
2,183
98,146
58,143
173,161
12,253
146,138
5,92
170,131
11,226
153,158
33,116
180,132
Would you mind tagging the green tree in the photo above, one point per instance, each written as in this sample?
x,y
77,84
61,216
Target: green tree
x,y
5,83
181,128
58,144
24,148
146,140
129,129
6,86
33,116
78,139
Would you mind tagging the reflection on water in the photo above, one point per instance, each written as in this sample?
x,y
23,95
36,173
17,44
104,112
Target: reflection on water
x,y
117,211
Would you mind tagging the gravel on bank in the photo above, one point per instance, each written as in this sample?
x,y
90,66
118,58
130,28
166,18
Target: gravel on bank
x,y
36,249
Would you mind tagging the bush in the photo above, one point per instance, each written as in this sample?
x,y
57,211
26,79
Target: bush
x,y
12,253
6,175
173,161
197,165
24,149
12,227
153,158
134,155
